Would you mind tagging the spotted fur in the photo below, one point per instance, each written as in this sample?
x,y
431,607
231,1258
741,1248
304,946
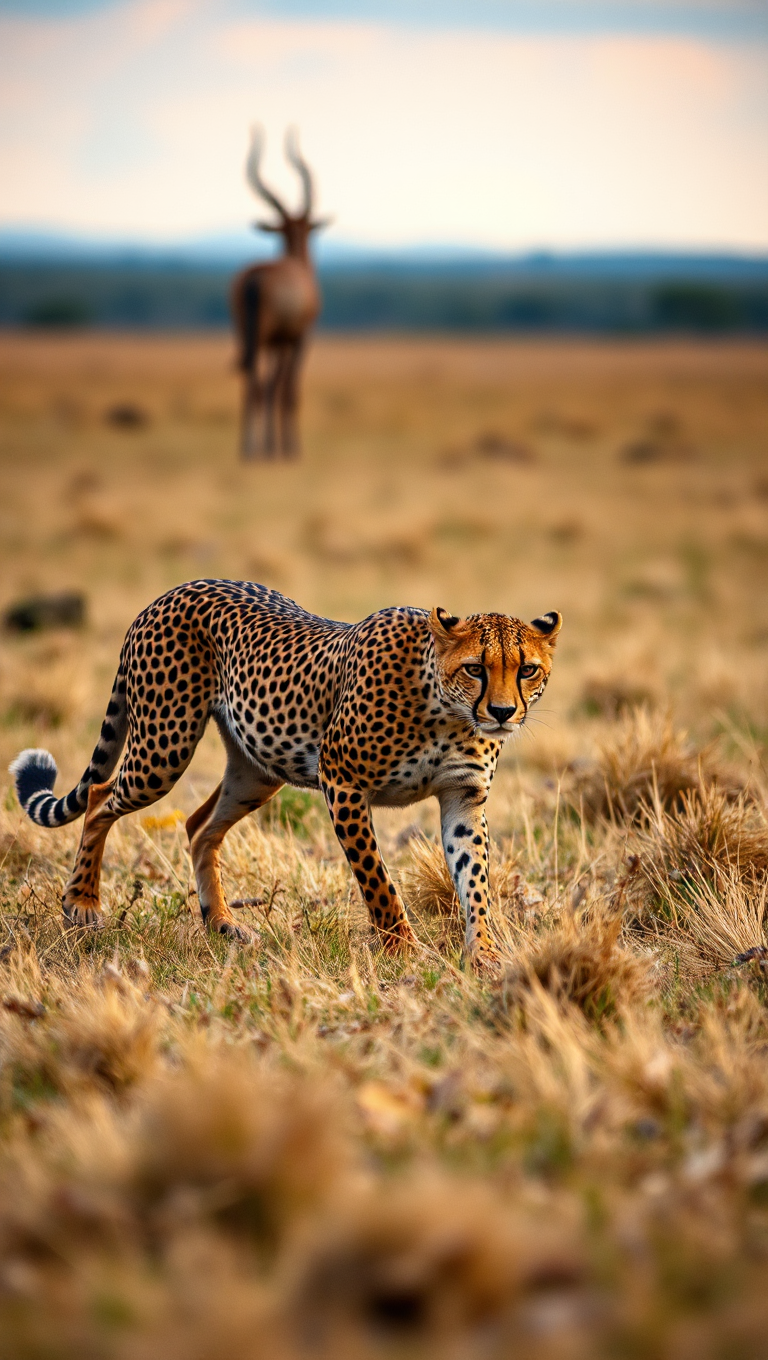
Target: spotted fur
x,y
385,712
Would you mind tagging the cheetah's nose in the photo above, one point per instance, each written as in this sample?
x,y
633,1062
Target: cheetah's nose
x,y
501,714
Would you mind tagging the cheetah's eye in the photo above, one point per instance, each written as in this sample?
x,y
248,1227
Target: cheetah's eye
x,y
527,671
476,671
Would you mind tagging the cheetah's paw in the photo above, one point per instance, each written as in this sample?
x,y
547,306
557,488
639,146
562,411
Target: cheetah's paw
x,y
399,937
231,931
83,912
485,962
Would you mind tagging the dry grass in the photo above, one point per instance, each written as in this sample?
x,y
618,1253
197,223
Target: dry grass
x,y
583,961
646,762
711,829
428,884
306,1148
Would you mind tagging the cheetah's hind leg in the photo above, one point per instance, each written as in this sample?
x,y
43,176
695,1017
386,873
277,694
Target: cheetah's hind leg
x,y
81,895
137,785
242,790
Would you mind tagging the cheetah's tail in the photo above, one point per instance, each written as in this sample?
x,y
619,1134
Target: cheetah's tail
x,y
34,771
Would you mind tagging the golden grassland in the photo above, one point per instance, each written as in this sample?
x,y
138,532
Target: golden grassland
x,y
305,1148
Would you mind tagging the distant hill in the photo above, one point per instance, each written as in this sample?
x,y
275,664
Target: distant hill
x,y
51,280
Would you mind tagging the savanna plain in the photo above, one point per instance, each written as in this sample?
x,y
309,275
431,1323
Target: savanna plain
x,y
307,1148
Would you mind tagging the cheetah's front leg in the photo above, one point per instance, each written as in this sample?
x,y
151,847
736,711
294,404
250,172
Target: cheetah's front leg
x,y
352,822
465,842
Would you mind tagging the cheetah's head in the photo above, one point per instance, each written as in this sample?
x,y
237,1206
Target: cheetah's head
x,y
493,667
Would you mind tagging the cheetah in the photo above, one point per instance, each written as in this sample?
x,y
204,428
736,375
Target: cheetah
x,y
386,712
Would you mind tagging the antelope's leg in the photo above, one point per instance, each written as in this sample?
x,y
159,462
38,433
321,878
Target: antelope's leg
x,y
351,816
252,434
291,445
272,387
465,842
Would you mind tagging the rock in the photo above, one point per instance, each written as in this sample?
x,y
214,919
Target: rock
x,y
663,442
491,444
126,415
66,610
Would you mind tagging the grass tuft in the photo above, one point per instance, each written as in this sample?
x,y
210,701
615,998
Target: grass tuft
x,y
645,762
582,960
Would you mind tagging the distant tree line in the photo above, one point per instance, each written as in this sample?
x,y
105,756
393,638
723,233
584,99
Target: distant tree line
x,y
389,297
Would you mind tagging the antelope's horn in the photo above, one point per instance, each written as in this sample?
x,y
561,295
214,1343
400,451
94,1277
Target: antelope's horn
x,y
297,161
252,171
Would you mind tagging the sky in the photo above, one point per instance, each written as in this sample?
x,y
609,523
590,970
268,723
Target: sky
x,y
505,124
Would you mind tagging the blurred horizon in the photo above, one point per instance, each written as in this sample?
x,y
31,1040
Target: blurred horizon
x,y
416,290
35,243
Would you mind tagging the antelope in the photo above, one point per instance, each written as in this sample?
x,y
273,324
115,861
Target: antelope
x,y
274,305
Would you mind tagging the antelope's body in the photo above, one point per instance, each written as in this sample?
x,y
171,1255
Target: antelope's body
x,y
274,305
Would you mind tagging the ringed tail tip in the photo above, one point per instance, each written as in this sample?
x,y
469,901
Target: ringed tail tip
x,y
34,771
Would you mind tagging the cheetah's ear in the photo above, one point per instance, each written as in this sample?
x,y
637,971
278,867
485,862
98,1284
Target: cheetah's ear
x,y
444,627
548,624
442,621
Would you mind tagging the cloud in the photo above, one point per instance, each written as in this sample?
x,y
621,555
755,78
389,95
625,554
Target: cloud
x,y
134,120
